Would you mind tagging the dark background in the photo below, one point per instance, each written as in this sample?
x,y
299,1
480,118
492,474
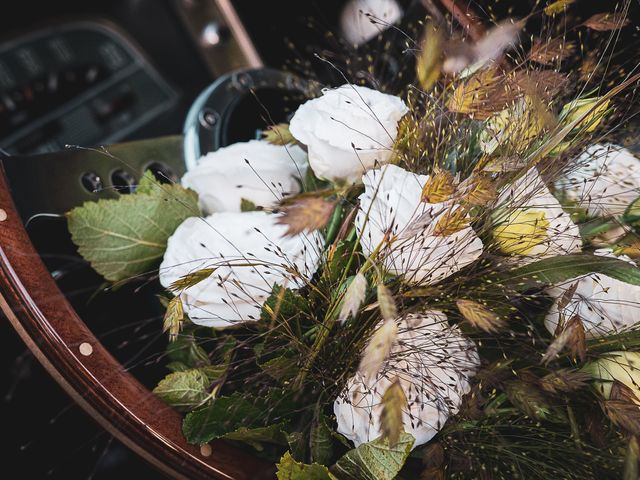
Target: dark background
x,y
44,434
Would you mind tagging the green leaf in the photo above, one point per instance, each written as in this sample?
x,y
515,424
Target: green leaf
x,y
187,351
247,205
280,368
283,304
375,460
632,213
555,270
127,236
321,441
184,390
289,469
255,437
229,414
297,444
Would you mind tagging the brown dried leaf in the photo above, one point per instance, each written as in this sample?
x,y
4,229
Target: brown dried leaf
x,y
564,380
478,190
451,221
567,296
480,316
439,187
429,61
306,214
378,349
487,49
278,134
619,391
557,7
551,51
624,414
191,279
173,318
603,22
393,402
572,336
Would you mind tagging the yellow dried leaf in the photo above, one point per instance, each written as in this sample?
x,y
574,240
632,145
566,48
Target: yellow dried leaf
x,y
592,109
520,231
429,60
451,221
480,316
278,134
557,7
306,214
394,401
439,187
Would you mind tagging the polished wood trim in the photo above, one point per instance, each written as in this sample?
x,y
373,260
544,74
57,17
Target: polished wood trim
x,y
53,331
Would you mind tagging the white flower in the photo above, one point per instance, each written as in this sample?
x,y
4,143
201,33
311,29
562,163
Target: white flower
x,y
348,130
606,181
392,203
530,222
256,171
623,367
604,304
433,363
362,20
250,255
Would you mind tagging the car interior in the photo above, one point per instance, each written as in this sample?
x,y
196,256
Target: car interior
x,y
76,76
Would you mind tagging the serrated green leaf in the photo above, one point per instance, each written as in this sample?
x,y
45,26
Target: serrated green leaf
x,y
176,367
375,460
228,414
187,351
184,390
555,270
125,237
289,469
282,305
280,368
321,442
255,437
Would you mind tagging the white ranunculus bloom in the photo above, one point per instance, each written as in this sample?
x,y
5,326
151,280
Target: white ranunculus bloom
x,y
256,171
433,363
392,203
606,181
362,20
530,222
604,304
348,130
250,254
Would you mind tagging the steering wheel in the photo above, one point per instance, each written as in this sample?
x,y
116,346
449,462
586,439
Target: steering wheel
x,y
45,319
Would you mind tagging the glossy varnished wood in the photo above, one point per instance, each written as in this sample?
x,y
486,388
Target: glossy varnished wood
x,y
52,330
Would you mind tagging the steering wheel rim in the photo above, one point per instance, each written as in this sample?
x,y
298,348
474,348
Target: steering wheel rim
x,y
38,310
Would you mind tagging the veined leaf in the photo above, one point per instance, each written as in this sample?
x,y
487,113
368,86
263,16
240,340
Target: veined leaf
x,y
256,437
375,460
184,390
127,236
559,269
321,442
289,469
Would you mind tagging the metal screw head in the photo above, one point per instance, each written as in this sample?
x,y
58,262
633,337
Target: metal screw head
x,y
208,118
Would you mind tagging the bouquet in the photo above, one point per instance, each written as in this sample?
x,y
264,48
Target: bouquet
x,y
431,282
